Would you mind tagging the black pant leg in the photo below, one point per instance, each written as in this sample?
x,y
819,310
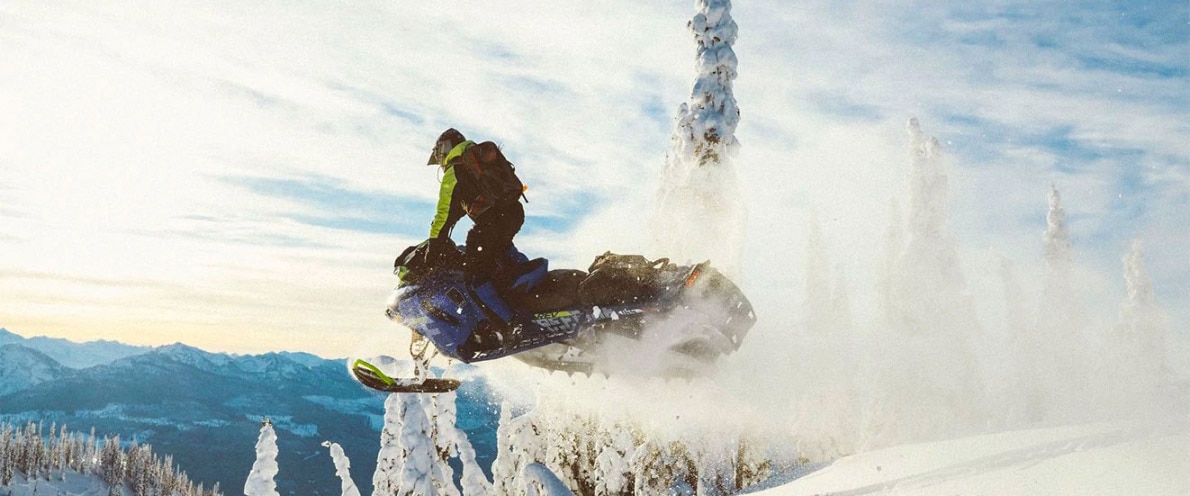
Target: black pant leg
x,y
490,238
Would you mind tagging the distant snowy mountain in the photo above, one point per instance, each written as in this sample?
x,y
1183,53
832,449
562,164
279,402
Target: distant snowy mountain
x,y
189,355
25,367
72,354
7,336
303,358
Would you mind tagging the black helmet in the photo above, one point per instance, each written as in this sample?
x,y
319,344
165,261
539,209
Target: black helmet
x,y
446,141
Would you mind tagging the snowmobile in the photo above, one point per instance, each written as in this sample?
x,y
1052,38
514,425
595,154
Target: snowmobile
x,y
625,313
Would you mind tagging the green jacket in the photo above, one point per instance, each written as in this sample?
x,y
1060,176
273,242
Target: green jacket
x,y
452,196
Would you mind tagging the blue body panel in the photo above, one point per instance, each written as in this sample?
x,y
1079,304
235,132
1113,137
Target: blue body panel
x,y
444,310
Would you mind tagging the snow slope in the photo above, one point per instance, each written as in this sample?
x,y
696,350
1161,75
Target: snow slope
x,y
1149,459
71,484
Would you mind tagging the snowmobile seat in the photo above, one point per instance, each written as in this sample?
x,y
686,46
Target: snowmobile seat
x,y
526,276
557,290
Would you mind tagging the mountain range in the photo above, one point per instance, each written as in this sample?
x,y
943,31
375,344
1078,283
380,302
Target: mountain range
x,y
205,408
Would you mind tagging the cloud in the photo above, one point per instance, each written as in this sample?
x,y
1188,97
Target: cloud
x,y
325,202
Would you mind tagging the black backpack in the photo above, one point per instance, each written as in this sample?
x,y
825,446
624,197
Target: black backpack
x,y
495,177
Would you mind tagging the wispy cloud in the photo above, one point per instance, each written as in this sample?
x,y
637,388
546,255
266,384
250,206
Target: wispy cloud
x,y
325,202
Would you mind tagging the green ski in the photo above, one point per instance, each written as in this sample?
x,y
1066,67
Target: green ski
x,y
371,376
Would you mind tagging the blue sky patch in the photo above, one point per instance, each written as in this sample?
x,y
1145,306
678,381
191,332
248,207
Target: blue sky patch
x,y
535,85
840,106
1132,66
568,214
343,208
396,224
384,104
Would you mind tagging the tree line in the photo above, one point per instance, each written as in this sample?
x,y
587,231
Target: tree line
x,y
34,453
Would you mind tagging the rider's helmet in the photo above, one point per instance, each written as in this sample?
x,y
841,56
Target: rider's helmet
x,y
446,141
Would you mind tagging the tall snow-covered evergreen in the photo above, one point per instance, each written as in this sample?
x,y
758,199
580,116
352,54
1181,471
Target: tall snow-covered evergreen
x,y
516,443
928,276
1137,343
453,442
262,479
420,435
409,462
699,214
1063,312
929,378
1055,351
342,469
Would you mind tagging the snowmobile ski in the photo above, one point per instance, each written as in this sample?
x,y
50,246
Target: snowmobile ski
x,y
371,376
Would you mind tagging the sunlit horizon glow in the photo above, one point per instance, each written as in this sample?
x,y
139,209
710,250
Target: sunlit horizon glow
x,y
240,177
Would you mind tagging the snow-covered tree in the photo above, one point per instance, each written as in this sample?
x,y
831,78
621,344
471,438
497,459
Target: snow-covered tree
x,y
699,214
716,462
1054,353
928,283
613,470
539,480
928,376
661,467
453,442
409,462
517,447
262,479
342,469
7,454
111,463
1062,311
1138,342
754,464
389,462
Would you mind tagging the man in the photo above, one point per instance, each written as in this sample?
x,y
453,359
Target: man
x,y
496,223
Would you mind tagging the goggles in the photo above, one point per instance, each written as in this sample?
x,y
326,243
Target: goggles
x,y
441,148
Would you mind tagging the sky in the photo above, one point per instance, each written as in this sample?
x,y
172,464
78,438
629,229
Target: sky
x,y
239,176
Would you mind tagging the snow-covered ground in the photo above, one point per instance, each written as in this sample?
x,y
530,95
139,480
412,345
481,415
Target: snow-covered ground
x,y
71,484
1108,459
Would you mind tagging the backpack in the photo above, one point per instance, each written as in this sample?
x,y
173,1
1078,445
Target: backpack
x,y
495,177
616,279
